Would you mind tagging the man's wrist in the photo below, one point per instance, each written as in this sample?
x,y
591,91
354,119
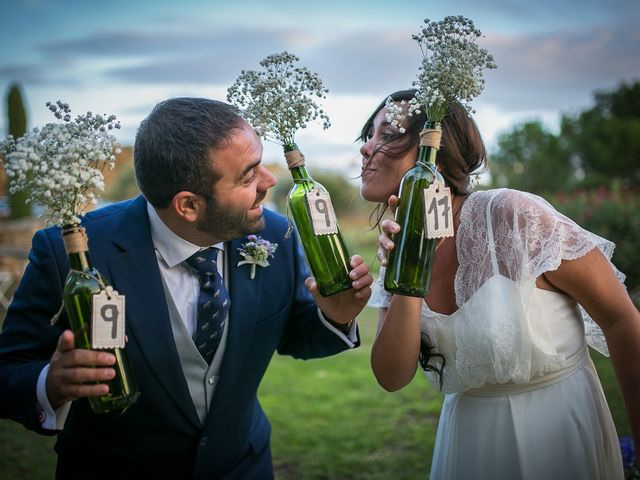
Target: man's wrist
x,y
343,327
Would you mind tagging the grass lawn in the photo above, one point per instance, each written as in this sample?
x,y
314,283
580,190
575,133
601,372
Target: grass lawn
x,y
331,419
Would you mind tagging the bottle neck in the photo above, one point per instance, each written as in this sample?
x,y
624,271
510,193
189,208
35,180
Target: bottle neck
x,y
300,173
77,247
429,143
79,261
427,155
295,162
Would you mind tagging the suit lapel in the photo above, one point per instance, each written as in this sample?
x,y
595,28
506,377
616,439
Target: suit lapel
x,y
135,273
245,296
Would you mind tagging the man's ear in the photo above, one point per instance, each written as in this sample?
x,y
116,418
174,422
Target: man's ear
x,y
188,206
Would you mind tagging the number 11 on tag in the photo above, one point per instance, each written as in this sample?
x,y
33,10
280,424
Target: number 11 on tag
x,y
438,212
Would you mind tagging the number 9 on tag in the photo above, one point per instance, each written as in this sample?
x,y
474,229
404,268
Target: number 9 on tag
x,y
107,322
323,217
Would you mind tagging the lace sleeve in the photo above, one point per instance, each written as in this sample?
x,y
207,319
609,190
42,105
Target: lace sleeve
x,y
380,298
531,238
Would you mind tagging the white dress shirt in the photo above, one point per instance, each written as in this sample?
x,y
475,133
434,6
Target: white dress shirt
x,y
171,252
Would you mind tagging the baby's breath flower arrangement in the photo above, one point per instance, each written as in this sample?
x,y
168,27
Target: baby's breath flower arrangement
x,y
280,99
452,69
61,163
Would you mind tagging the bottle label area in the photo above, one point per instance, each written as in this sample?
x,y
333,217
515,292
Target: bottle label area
x,y
323,217
107,325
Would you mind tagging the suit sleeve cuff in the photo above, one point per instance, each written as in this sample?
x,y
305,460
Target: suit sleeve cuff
x,y
49,418
350,337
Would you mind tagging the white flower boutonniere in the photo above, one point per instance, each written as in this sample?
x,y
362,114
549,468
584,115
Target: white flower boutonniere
x,y
256,252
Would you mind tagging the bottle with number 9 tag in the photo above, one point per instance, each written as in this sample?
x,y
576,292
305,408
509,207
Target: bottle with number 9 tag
x,y
96,317
317,226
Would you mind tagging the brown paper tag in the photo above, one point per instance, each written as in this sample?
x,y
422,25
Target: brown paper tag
x,y
323,217
438,212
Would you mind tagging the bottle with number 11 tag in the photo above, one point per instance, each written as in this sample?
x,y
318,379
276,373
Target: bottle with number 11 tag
x,y
317,226
96,317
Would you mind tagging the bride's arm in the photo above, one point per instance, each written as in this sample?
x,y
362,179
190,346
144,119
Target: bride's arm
x,y
591,282
396,349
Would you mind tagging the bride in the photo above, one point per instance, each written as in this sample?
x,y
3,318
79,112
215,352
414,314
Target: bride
x,y
515,297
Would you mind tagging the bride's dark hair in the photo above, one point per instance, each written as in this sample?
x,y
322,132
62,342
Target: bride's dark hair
x,y
462,152
427,354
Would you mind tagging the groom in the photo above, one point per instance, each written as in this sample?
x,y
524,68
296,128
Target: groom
x,y
198,165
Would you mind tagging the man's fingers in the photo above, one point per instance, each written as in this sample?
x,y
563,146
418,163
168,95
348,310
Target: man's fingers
x,y
312,286
359,272
85,375
69,356
73,391
355,260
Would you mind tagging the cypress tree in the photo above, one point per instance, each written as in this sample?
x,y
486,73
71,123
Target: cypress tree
x,y
17,127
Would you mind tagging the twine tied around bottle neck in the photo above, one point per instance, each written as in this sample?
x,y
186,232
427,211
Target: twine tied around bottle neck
x,y
294,158
75,240
430,137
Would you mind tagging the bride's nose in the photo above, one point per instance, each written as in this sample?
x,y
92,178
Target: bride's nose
x,y
366,149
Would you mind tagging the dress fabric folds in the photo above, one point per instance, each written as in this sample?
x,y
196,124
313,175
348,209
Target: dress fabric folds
x,y
522,397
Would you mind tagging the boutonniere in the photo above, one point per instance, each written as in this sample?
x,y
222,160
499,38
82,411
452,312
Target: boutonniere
x,y
256,252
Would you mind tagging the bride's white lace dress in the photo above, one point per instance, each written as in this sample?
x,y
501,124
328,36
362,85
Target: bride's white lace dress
x,y
523,400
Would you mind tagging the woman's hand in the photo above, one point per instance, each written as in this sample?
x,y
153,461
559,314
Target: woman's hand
x,y
389,227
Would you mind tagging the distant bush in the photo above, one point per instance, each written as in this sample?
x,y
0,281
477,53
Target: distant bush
x,y
613,214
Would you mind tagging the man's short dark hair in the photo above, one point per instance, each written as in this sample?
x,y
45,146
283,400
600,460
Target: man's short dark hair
x,y
173,146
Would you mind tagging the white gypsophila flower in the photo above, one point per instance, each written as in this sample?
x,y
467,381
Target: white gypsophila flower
x,y
280,99
396,112
61,164
452,66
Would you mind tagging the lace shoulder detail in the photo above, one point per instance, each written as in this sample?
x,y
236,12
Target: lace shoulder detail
x,y
380,298
520,236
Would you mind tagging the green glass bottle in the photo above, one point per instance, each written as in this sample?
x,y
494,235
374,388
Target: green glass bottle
x,y
80,286
326,253
410,262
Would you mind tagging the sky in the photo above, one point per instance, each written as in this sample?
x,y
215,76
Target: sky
x,y
123,56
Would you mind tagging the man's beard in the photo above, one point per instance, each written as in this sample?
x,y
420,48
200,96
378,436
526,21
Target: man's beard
x,y
226,223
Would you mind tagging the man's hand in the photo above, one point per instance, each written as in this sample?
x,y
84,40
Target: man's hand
x,y
343,307
75,372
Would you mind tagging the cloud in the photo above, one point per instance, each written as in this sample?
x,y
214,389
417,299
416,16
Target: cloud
x,y
23,73
208,56
376,62
216,68
166,43
557,69
561,69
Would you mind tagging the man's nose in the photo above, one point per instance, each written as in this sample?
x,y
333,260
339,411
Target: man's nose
x,y
267,179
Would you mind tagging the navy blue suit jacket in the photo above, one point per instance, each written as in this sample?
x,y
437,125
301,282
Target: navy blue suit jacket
x,y
161,436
